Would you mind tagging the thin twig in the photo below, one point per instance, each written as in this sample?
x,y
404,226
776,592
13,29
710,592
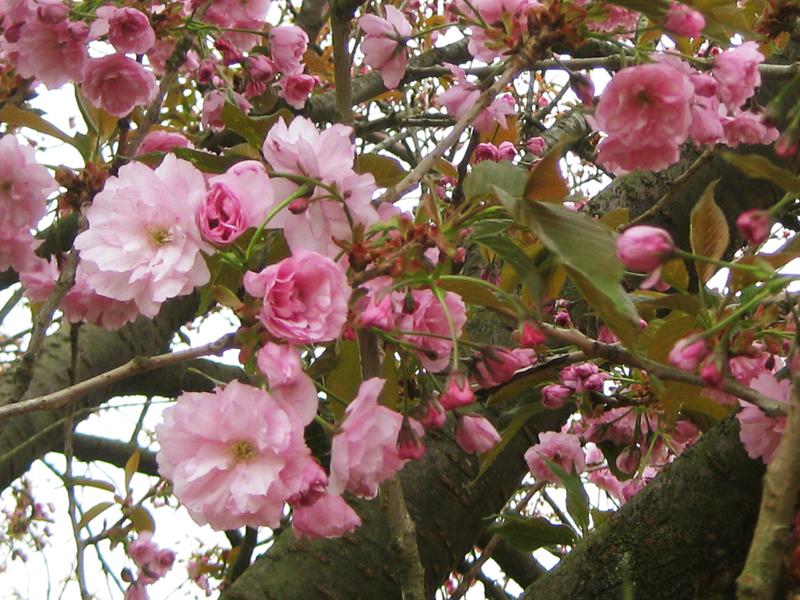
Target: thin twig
x,y
64,397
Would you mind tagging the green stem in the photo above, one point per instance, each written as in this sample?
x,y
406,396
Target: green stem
x,y
298,193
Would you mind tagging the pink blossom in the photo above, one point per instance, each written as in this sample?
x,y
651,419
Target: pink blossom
x,y
160,140
755,225
379,307
429,316
118,84
327,156
643,248
288,43
143,243
328,517
260,71
296,89
746,127
364,452
759,433
236,201
476,435
241,14
435,416
384,44
462,96
24,187
153,562
645,110
497,365
289,385
457,392
617,426
688,352
213,103
128,29
234,456
684,20
507,22
305,297
563,449
136,591
706,126
555,395
52,53
536,145
486,152
736,70
409,440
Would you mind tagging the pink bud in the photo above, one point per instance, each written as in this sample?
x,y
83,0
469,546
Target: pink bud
x,y
475,434
409,443
486,152
436,417
711,370
786,146
298,206
684,20
643,248
220,216
755,225
688,352
555,395
531,335
606,336
536,145
506,151
457,393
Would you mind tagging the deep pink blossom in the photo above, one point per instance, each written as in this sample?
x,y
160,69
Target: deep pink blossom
x,y
305,297
643,248
241,14
476,435
736,70
761,434
429,316
687,353
457,392
296,88
118,84
746,127
364,452
236,201
645,111
379,307
462,96
234,456
384,44
536,145
143,243
755,225
563,449
128,29
328,517
555,395
684,20
288,43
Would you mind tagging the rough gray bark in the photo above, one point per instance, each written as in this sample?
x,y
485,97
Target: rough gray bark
x,y
684,536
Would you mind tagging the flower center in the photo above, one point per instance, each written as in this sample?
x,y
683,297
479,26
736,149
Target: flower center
x,y
160,236
243,451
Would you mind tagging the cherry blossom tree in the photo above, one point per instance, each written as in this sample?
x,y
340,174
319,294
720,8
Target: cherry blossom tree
x,y
499,280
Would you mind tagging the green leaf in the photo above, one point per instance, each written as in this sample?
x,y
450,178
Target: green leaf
x,y
94,512
533,533
95,483
586,247
207,162
142,520
483,178
474,293
244,149
13,115
131,465
239,122
226,297
387,171
545,182
577,498
708,232
523,265
754,165
345,378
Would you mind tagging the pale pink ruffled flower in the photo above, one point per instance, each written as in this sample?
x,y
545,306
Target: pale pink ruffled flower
x,y
24,187
736,70
746,127
118,84
236,201
305,297
240,14
507,20
761,434
328,517
429,317
476,435
384,44
153,562
328,155
142,240
297,88
234,456
364,452
287,44
16,250
288,384
563,449
462,96
645,110
379,307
